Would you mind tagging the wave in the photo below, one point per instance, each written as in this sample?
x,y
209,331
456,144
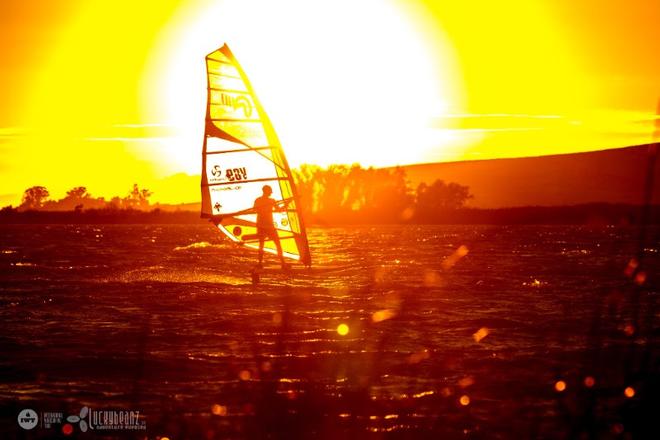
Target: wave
x,y
197,245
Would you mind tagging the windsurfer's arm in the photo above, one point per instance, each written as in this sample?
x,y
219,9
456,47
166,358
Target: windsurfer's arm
x,y
282,205
245,211
218,217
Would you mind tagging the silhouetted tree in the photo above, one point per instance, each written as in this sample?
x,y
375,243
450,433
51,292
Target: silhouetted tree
x,y
79,192
114,203
77,199
307,186
341,193
438,198
137,198
388,194
34,197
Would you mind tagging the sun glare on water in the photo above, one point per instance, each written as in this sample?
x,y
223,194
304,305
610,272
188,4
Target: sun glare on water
x,y
342,81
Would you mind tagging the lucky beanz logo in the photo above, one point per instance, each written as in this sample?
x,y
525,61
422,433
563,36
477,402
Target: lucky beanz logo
x,y
99,420
80,419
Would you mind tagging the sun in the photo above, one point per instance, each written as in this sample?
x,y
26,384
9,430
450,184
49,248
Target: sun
x,y
342,81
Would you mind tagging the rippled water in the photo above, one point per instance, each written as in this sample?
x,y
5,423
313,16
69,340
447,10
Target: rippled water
x,y
455,331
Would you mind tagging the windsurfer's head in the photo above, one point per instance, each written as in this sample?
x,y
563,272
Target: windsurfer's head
x,y
267,190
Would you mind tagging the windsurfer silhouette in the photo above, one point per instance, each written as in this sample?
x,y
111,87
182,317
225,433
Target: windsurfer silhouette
x,y
264,206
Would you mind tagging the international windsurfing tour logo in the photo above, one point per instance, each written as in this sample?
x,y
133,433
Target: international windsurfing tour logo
x,y
28,419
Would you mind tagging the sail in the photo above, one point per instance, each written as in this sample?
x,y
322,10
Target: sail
x,y
241,154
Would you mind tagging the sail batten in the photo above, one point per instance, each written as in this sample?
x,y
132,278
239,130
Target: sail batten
x,y
243,149
234,120
265,179
241,154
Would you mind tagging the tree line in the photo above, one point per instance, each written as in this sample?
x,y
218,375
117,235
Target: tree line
x,y
352,194
334,194
78,198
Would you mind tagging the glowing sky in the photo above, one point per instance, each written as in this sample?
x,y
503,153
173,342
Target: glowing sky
x,y
104,94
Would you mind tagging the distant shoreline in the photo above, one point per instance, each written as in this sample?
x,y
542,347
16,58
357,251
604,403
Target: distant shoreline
x,y
583,214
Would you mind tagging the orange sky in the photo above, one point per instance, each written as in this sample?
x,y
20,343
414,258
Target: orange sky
x,y
104,94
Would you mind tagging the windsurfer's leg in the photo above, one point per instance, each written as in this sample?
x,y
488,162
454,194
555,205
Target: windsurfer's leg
x,y
276,239
261,249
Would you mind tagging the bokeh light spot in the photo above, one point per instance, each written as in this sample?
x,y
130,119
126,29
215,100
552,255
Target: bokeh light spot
x,y
383,315
67,429
451,260
480,334
466,382
631,267
407,213
342,329
219,410
560,386
432,278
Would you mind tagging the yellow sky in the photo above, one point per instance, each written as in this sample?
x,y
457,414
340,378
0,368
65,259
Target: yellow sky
x,y
104,94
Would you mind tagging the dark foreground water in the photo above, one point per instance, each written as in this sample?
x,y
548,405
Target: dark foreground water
x,y
452,332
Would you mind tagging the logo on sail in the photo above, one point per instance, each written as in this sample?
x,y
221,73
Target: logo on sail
x,y
237,103
230,175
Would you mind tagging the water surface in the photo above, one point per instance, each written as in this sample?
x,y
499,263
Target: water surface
x,y
452,330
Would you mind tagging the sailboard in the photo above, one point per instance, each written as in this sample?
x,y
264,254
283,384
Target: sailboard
x,y
241,154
